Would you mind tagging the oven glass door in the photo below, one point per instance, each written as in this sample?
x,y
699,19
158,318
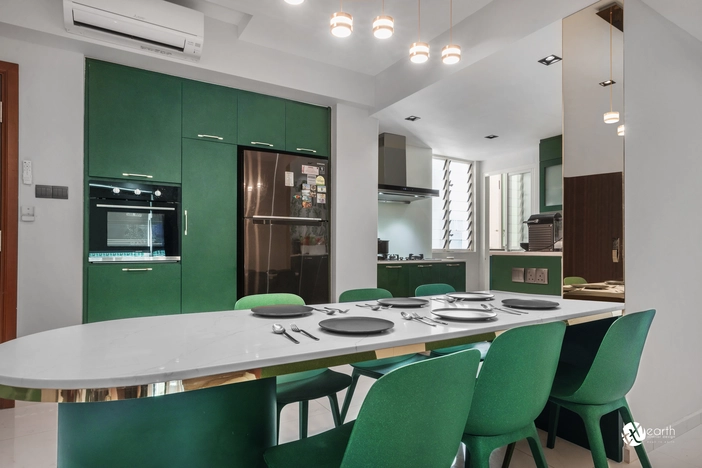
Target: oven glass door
x,y
128,230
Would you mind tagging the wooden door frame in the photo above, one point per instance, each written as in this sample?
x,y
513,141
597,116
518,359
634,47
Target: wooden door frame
x,y
9,188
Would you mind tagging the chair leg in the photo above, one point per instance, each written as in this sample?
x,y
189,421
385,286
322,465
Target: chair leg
x,y
334,403
349,394
594,438
553,414
508,455
304,407
536,450
478,456
640,450
277,426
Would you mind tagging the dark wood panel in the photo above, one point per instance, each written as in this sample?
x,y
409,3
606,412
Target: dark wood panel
x,y
593,216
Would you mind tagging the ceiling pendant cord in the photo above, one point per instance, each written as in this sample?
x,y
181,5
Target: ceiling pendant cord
x,y
451,53
419,51
612,116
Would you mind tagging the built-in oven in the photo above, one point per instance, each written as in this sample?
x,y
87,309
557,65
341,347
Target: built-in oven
x,y
133,222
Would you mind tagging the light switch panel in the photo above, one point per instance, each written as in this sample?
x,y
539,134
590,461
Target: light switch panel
x,y
517,275
27,172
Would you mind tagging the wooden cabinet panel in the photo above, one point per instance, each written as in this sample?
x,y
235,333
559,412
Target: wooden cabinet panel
x,y
593,220
261,121
134,123
132,290
209,240
307,129
209,112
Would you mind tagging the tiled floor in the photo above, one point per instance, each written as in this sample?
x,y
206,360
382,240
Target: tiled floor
x,y
28,438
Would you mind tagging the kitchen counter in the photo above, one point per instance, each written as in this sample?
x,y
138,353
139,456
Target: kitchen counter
x,y
527,254
436,260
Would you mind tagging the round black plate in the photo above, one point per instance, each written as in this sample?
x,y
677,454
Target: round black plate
x,y
283,310
403,302
356,325
536,304
471,296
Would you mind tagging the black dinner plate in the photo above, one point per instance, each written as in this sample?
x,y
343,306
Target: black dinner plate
x,y
403,302
356,325
471,296
282,310
536,304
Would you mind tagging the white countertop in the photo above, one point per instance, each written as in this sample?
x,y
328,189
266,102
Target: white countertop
x,y
527,254
435,260
177,347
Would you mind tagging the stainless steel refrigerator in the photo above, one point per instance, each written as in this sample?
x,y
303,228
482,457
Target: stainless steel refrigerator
x,y
286,225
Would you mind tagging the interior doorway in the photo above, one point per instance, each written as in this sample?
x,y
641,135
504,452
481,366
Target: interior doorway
x,y
9,180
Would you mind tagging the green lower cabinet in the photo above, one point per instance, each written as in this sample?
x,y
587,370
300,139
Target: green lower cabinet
x,y
132,290
394,278
423,273
210,226
451,273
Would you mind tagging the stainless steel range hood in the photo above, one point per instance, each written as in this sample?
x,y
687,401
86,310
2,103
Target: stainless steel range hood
x,y
392,172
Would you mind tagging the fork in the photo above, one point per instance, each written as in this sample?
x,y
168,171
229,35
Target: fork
x,y
417,316
328,312
336,310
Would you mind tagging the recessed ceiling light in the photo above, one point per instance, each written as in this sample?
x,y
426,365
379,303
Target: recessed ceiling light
x,y
412,118
604,84
550,60
491,137
294,2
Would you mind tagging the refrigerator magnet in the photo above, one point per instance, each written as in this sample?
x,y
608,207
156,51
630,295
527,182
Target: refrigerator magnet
x,y
305,186
306,198
321,198
321,189
289,179
319,180
312,179
314,170
306,204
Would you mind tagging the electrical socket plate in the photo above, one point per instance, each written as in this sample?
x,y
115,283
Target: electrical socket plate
x,y
530,276
541,276
517,275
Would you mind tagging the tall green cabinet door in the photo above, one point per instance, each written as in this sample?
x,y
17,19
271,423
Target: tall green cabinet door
x,y
134,123
307,129
130,290
209,226
261,121
394,278
209,112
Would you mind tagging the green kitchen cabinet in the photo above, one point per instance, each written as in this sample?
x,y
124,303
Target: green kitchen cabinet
x,y
422,273
551,174
307,129
394,278
209,248
133,123
209,112
261,121
128,290
451,273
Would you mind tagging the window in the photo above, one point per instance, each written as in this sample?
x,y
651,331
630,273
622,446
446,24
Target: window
x,y
510,202
452,211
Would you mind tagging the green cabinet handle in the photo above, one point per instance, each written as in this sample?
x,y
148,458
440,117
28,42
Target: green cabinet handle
x,y
425,266
261,143
201,135
128,174
392,267
137,269
306,149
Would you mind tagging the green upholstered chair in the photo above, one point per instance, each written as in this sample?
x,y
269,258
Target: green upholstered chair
x,y
377,367
600,389
443,288
301,386
390,429
511,391
365,294
574,280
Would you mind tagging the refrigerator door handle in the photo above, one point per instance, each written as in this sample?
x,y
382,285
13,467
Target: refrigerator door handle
x,y
285,220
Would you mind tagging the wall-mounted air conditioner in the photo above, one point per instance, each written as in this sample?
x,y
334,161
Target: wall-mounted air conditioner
x,y
151,25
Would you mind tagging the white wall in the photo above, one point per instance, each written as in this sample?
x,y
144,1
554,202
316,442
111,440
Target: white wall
x,y
662,222
355,199
408,226
51,136
589,145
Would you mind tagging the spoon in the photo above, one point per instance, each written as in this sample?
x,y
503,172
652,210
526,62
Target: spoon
x,y
491,307
371,307
328,312
337,310
407,316
280,330
418,317
294,328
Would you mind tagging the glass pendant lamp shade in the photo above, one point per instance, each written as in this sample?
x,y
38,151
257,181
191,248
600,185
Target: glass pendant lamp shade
x,y
383,27
451,54
294,2
419,52
620,130
611,117
341,24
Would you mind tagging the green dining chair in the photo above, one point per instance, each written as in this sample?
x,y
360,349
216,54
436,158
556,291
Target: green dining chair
x,y
600,389
574,280
394,430
511,391
300,387
378,367
435,289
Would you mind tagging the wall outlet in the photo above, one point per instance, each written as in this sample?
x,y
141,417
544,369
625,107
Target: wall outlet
x,y
541,276
517,275
530,276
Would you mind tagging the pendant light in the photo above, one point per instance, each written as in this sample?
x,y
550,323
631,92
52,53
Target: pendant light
x,y
294,2
611,116
620,130
419,52
341,24
383,26
451,53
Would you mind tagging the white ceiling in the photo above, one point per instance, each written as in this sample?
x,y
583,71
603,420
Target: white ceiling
x,y
687,14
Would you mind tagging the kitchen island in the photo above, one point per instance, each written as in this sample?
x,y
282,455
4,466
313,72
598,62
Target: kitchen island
x,y
195,390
